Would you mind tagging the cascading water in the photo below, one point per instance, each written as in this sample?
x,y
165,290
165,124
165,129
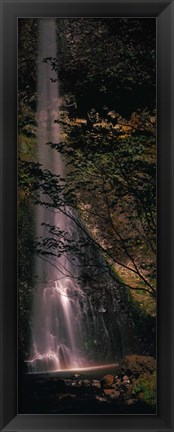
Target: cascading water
x,y
57,332
69,330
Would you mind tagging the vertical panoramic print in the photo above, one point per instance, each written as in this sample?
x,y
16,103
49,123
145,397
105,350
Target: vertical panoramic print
x,y
87,216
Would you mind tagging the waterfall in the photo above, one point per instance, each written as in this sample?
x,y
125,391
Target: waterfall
x,y
56,338
69,331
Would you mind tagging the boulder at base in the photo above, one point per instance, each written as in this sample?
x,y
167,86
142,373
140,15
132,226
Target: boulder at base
x,y
107,381
135,365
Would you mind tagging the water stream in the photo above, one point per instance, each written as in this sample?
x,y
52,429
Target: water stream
x,y
69,330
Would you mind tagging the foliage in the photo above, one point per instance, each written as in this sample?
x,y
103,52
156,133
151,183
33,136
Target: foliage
x,y
25,264
145,388
27,61
107,62
112,184
26,151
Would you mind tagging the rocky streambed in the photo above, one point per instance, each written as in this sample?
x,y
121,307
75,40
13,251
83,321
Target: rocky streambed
x,y
127,388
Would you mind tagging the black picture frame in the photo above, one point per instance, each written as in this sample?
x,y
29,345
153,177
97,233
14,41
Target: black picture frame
x,y
163,10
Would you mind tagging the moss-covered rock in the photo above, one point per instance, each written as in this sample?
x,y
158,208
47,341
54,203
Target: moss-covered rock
x,y
145,388
136,365
141,371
